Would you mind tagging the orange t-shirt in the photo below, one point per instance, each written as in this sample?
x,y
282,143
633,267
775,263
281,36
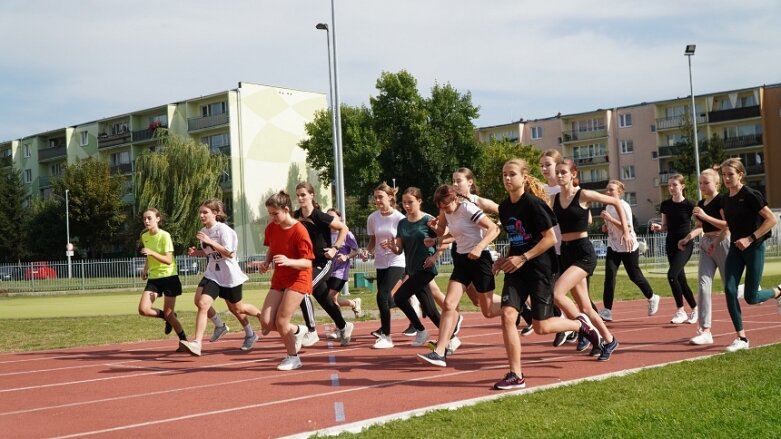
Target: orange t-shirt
x,y
295,244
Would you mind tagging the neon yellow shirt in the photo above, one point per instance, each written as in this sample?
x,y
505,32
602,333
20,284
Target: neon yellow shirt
x,y
161,243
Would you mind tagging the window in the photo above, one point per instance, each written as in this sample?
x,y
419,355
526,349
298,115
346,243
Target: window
x,y
120,158
746,101
625,120
83,138
628,172
536,133
216,142
27,152
627,146
631,198
28,176
213,109
56,169
589,151
161,121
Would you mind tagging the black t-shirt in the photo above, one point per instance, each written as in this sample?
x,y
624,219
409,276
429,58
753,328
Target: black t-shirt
x,y
742,213
713,209
318,224
524,222
679,216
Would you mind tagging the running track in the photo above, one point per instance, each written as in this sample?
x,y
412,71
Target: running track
x,y
146,390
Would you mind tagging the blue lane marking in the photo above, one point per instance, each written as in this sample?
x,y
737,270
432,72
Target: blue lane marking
x,y
335,380
339,411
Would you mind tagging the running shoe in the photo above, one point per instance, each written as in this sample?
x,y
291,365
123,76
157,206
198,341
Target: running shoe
x,y
528,330
346,333
606,314
679,317
410,331
433,359
596,351
377,333
560,338
607,349
357,310
653,305
299,337
290,362
384,342
193,347
452,345
420,338
702,338
582,343
572,337
461,320
310,338
588,330
778,299
332,336
219,331
511,381
693,316
737,345
249,341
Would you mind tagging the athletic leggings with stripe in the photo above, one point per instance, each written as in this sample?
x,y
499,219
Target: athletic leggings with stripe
x,y
676,276
752,260
320,277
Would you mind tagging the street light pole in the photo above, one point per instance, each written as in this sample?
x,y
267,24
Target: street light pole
x,y
338,112
334,141
68,245
689,52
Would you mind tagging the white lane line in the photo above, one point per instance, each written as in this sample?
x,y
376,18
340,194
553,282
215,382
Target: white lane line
x,y
57,369
339,412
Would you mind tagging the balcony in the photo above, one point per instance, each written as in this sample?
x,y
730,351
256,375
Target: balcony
x,y
743,141
44,181
121,169
587,161
664,177
666,151
667,123
56,153
6,161
734,114
224,149
199,123
574,136
141,135
594,185
107,141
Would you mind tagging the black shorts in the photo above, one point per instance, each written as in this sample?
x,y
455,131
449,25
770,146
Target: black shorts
x,y
165,286
214,290
478,271
336,284
534,279
579,253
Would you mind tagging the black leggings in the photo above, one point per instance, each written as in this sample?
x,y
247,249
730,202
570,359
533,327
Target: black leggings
x,y
386,280
631,262
417,284
320,276
676,275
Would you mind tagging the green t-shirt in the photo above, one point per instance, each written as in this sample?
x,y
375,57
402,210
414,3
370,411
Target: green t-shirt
x,y
161,243
412,236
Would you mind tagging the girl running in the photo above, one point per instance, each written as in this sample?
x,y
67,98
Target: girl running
x,y
676,221
160,272
750,222
619,252
341,270
290,252
714,245
528,266
222,277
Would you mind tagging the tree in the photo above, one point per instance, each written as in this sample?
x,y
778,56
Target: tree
x,y
495,153
13,221
96,210
45,233
176,178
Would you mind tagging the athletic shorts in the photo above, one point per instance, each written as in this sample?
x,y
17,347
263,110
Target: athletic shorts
x,y
214,290
579,253
533,280
336,284
478,271
165,286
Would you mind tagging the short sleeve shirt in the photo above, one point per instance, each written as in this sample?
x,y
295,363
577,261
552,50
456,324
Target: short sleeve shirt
x,y
294,243
318,224
223,271
341,269
712,209
463,225
615,233
161,243
383,227
525,221
679,217
412,235
742,213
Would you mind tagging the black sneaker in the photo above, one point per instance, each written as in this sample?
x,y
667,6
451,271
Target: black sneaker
x,y
433,359
168,327
410,331
511,381
560,338
596,351
527,330
608,349
582,343
572,337
377,333
459,321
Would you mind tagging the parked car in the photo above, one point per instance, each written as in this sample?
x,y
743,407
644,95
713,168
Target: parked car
x,y
187,265
39,270
11,273
599,247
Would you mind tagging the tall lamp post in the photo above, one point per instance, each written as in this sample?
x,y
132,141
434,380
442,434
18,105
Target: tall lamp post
x,y
334,140
68,245
338,112
689,52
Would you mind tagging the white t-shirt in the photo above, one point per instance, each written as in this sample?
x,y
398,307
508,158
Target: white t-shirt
x,y
463,225
224,271
614,232
552,191
383,227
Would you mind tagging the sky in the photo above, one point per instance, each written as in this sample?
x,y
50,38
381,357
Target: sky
x,y
66,63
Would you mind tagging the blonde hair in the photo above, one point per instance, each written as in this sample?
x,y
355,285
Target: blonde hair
x,y
531,183
391,191
713,175
555,154
736,164
618,184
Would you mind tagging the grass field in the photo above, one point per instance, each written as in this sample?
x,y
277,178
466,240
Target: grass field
x,y
735,395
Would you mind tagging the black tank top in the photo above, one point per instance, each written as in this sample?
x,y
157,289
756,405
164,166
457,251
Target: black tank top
x,y
572,219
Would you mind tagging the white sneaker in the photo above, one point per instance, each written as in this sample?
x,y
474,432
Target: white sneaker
x,y
346,334
778,299
702,338
357,310
302,331
679,317
384,342
219,331
310,338
420,338
737,345
653,304
693,316
416,306
606,314
332,335
290,363
452,345
193,347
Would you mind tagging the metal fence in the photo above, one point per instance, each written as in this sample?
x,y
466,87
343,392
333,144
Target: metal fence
x,y
117,274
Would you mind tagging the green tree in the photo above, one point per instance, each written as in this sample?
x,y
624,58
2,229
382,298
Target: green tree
x,y
45,233
13,221
175,179
495,153
96,210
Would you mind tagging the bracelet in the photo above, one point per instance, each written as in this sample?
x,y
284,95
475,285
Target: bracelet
x,y
753,237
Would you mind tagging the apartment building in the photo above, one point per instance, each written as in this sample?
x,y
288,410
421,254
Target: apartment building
x,y
257,126
633,143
